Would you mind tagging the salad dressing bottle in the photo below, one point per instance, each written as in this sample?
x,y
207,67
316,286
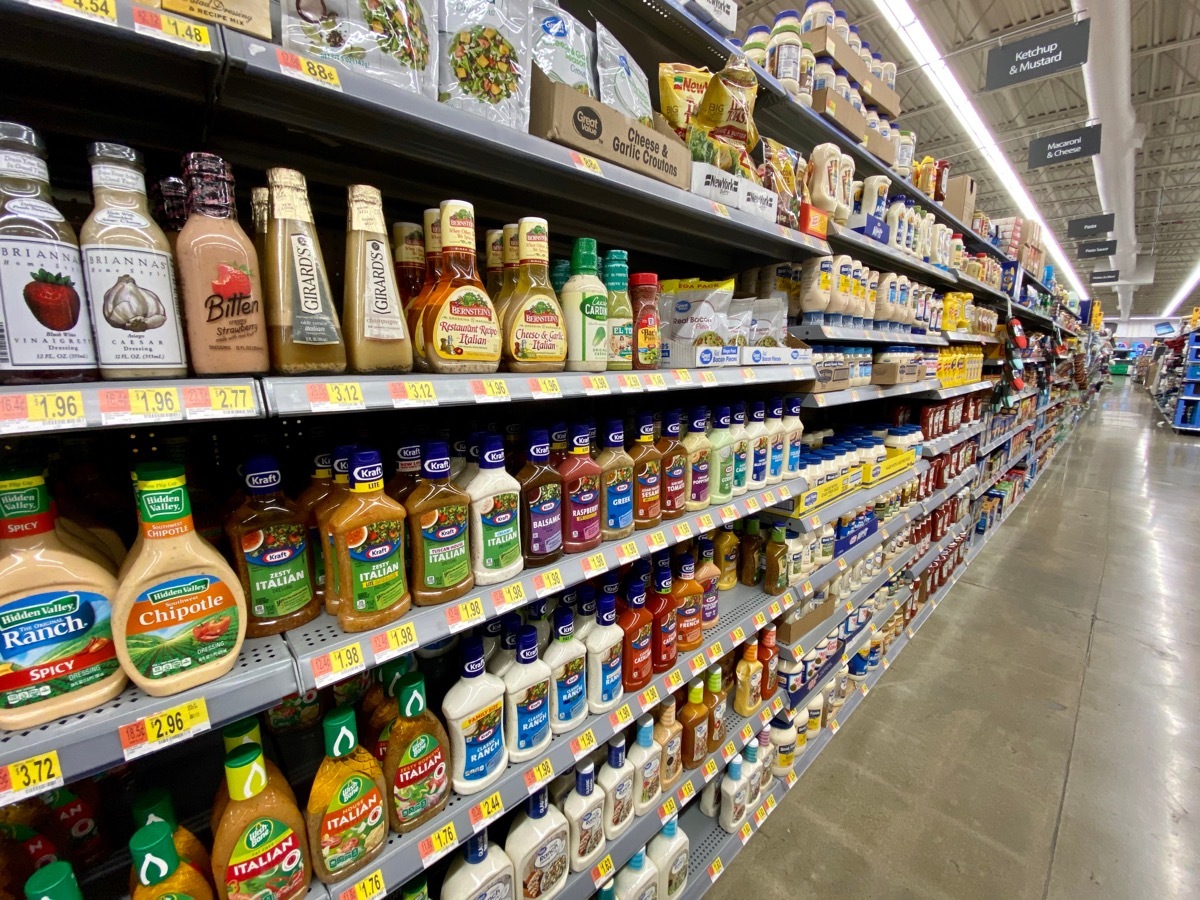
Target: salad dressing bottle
x,y
616,780
510,268
777,440
505,655
376,334
320,486
696,479
537,845
535,331
668,734
260,847
260,215
462,330
637,624
727,554
616,476
479,871
584,812
668,850
272,552
747,695
638,879
673,467
154,807
474,713
585,303
346,815
647,475
740,444
707,577
437,527
368,542
541,504
753,562
527,687
717,701
693,721
495,532
417,760
793,429
688,596
759,447
339,490
777,563
605,647
130,273
646,758
178,596
158,869
581,479
380,706
493,241
567,658
408,471
408,256
721,463
415,310
620,311
660,604
302,322
234,735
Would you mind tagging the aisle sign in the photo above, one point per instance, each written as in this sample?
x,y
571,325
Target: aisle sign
x,y
1091,226
1096,249
1108,276
1043,54
1065,146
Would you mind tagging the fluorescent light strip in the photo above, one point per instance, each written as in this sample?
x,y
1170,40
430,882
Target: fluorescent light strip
x,y
906,24
1182,294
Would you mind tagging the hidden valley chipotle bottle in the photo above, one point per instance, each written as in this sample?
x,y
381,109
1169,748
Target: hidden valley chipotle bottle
x,y
179,616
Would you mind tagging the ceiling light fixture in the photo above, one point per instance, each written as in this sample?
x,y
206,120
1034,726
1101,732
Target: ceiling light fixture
x,y
1182,294
906,24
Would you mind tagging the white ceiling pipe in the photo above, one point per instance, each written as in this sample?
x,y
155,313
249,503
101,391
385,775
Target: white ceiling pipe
x,y
1106,77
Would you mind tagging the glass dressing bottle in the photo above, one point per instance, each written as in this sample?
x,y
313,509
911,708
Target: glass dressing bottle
x,y
408,252
376,333
535,331
415,310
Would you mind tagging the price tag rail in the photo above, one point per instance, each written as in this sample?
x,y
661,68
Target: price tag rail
x,y
866,392
90,742
946,442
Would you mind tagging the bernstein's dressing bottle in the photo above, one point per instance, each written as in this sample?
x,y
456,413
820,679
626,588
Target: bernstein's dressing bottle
x,y
346,816
462,331
693,720
320,486
158,869
416,764
180,602
473,710
408,256
637,653
616,476
415,310
220,282
673,467
510,268
495,517
261,837
130,273
437,516
368,541
647,475
535,330
605,649
688,595
493,242
527,687
302,321
376,333
339,490
541,504
272,552
64,600
581,489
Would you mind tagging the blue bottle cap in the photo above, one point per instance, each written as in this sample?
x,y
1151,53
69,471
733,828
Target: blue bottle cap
x,y
564,623
527,651
435,460
539,445
492,454
262,475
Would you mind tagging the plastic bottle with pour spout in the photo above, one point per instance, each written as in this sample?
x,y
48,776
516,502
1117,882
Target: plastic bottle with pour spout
x,y
473,711
585,304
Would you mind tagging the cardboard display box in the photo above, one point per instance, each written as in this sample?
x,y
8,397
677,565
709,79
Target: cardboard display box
x,y
960,197
791,630
878,94
890,467
897,373
734,190
830,378
883,148
566,117
839,111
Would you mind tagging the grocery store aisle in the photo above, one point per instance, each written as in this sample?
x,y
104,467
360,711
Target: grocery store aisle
x,y
1038,738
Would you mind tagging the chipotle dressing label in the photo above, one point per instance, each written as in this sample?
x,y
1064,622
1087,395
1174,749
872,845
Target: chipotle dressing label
x,y
267,863
483,741
45,322
545,518
421,777
377,565
618,497
277,564
647,491
354,823
501,534
312,308
583,508
137,313
444,545
180,624
465,328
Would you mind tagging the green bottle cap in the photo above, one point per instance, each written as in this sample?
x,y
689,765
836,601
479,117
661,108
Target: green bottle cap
x,y
411,695
616,270
245,771
341,732
752,526
584,260
53,882
778,535
154,855
696,691
392,672
417,889
154,805
155,471
560,273
243,731
714,679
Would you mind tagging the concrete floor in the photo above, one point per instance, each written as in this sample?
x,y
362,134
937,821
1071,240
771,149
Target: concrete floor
x,y
1041,735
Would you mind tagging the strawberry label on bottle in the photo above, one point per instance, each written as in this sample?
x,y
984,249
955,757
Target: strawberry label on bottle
x,y
421,777
354,824
545,518
277,565
465,328
501,536
377,565
444,543
583,508
483,741
232,304
46,322
267,863
618,497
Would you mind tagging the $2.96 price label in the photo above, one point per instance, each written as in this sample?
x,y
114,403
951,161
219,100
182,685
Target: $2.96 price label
x,y
29,777
152,733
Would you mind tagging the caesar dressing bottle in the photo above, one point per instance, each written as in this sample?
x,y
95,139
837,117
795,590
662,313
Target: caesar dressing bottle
x,y
376,334
527,700
474,714
301,320
417,759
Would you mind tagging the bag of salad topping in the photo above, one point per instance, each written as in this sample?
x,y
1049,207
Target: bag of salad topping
x,y
484,60
562,47
768,327
395,40
698,317
680,90
623,84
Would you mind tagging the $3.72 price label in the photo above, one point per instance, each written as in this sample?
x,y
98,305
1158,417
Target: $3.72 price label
x,y
170,726
30,777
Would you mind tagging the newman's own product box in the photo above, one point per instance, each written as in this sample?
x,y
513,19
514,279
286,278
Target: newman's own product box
x,y
734,191
249,16
566,117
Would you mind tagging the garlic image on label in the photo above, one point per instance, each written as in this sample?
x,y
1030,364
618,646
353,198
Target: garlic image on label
x,y
129,306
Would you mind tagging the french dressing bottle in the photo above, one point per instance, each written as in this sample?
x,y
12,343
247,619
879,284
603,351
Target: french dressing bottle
x,y
688,596
376,333
417,760
130,273
673,467
708,578
437,516
415,311
302,322
346,815
616,475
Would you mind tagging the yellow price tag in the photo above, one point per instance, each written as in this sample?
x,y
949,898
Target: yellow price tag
x,y
686,792
769,498
602,871
334,396
627,552
696,663
715,869
714,651
747,732
705,522
720,208
841,564
486,810
178,720
29,777
585,163
338,664
747,830
539,775
775,610
412,393
682,376
656,382
545,388
648,697
748,374
372,887
296,66
509,595
667,809
885,662
864,689
630,384
394,642
169,28
738,635
728,751
97,9
596,384
752,504
582,744
547,582
708,377
808,588
791,779
710,769
760,620
728,513
656,540
56,406
490,390
682,531
438,844
595,564
785,492
675,679
622,716
464,615
833,726
155,402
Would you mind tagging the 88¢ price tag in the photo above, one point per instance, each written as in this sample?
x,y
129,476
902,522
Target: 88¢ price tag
x,y
296,66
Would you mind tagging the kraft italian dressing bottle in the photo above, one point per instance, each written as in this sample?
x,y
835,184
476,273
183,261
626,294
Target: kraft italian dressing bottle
x,y
474,713
480,871
527,687
605,643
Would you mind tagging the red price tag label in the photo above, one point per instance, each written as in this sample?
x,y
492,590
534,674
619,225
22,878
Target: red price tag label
x,y
408,394
585,743
621,717
539,776
338,665
595,564
696,663
627,552
709,770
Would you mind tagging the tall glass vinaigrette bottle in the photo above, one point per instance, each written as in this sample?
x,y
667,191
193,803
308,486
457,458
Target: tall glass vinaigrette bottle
x,y
303,324
408,255
415,310
376,334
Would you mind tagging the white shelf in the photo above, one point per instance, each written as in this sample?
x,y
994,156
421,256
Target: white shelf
x,y
864,335
865,393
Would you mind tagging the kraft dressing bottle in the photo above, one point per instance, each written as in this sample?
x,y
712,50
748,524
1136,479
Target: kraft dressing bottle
x,y
474,713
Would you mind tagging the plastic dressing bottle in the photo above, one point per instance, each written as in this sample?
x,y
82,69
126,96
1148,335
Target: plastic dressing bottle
x,y
567,659
474,714
605,643
495,517
527,700
616,780
720,466
646,758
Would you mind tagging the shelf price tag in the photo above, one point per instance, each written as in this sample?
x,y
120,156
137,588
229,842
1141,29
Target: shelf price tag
x,y
747,732
775,609
682,531
487,810
747,830
216,401
656,540
95,10
585,163
681,376
728,751
602,871
547,583
42,410
714,651
738,635
776,705
655,382
545,388
675,679
707,376
814,521
721,210
791,779
407,394
296,66
760,816
508,596
696,663
595,564
716,868
337,665
667,809
539,776
335,396
752,504
583,744
135,406
627,552
785,492
169,28
373,887
648,697
465,615
686,791
770,803
833,726
769,498
170,726
435,846
29,777
728,514
394,642
864,690
748,374
705,522
709,770
490,390
596,385
765,716
621,717
630,384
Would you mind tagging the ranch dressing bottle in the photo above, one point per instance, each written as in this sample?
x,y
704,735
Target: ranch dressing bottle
x,y
130,273
604,642
495,517
585,303
584,812
616,780
566,656
537,845
474,713
527,687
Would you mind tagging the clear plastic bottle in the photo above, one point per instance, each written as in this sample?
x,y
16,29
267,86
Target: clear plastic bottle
x,y
740,445
668,850
734,806
537,845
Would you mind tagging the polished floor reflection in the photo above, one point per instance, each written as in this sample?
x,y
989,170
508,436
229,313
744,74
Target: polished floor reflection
x,y
1041,735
